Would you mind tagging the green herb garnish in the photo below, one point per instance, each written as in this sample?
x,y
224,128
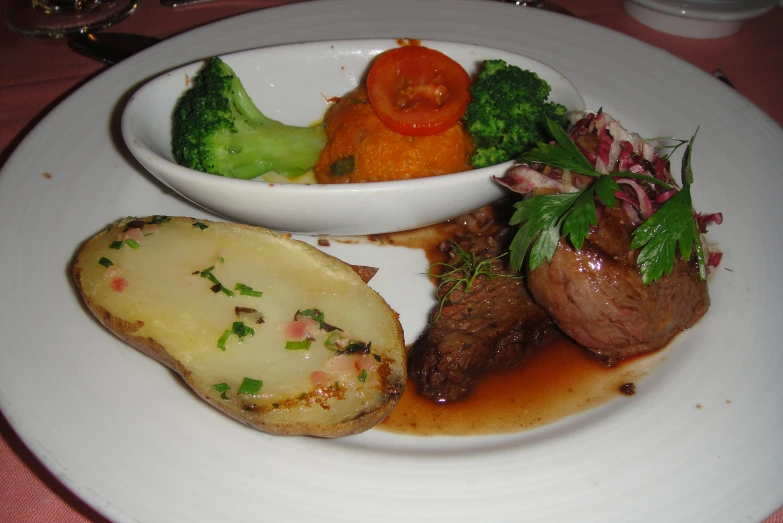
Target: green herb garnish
x,y
462,273
222,388
670,227
133,244
199,225
116,245
314,314
331,341
363,376
106,262
239,329
159,218
221,343
217,286
674,146
317,315
566,155
133,224
356,347
298,345
250,386
242,330
246,290
546,218
342,167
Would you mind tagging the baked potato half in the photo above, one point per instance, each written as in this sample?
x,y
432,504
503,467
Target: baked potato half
x,y
267,329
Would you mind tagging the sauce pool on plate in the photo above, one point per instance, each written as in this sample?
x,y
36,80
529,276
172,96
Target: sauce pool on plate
x,y
558,380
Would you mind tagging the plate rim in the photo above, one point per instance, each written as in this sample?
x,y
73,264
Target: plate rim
x,y
41,452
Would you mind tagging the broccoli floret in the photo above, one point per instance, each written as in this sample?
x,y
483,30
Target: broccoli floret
x,y
217,129
507,112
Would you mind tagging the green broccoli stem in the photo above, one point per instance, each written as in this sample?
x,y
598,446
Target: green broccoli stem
x,y
218,129
290,151
244,104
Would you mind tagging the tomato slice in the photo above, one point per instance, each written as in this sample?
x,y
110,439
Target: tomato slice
x,y
418,91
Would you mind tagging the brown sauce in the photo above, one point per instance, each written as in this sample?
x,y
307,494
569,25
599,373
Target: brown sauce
x,y
560,379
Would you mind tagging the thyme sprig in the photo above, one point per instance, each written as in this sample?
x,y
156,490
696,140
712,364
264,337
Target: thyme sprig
x,y
462,273
659,142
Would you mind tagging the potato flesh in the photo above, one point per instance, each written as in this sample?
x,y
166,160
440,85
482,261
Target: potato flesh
x,y
181,312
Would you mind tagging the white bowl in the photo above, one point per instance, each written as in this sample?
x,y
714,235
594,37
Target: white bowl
x,y
292,83
697,18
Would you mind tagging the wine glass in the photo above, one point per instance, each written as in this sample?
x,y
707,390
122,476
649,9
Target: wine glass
x,y
62,18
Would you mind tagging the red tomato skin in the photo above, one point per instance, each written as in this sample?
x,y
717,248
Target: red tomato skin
x,y
418,91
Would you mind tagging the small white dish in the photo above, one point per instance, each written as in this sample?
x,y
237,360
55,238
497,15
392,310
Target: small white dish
x,y
292,83
702,19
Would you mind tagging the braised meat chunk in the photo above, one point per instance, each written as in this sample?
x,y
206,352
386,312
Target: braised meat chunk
x,y
495,325
597,297
610,250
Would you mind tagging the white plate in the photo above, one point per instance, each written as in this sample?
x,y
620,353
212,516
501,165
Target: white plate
x,y
697,18
127,437
291,83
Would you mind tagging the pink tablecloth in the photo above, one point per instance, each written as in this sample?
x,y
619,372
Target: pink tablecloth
x,y
38,73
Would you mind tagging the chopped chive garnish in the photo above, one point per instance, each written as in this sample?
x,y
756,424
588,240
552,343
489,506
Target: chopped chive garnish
x,y
238,328
202,226
297,345
117,245
356,347
250,386
106,262
158,218
133,244
135,224
342,166
331,341
221,344
217,287
222,388
246,290
242,330
377,358
314,314
363,376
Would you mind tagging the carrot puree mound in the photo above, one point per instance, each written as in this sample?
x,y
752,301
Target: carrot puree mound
x,y
380,154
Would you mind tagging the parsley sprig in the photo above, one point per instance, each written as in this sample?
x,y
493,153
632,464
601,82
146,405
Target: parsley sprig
x,y
670,227
547,218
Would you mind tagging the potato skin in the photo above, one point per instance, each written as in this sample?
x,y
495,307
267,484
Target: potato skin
x,y
391,371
